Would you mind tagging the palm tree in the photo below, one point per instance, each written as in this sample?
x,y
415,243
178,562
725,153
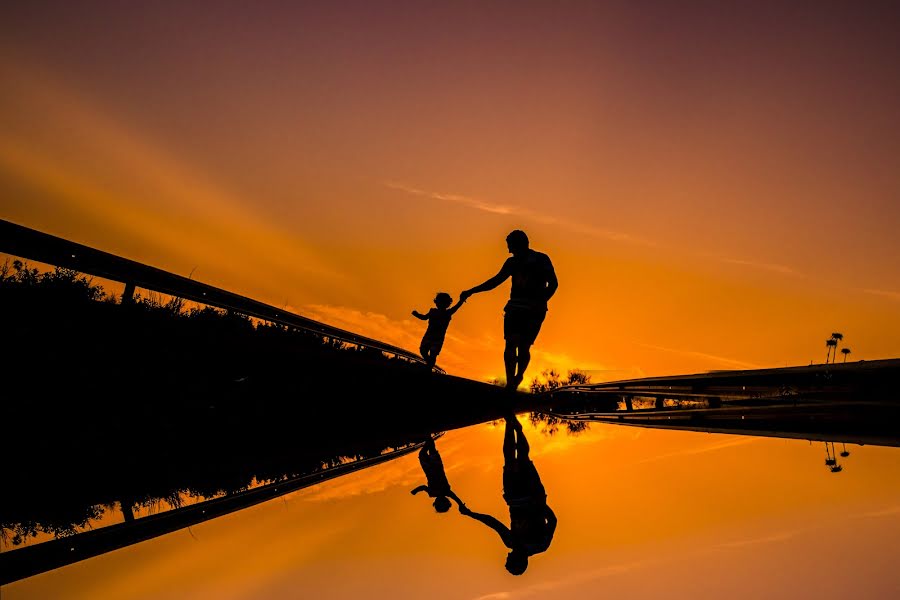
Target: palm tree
x,y
845,351
830,343
845,453
837,337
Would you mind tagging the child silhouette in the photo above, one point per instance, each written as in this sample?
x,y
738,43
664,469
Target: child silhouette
x,y
437,485
438,320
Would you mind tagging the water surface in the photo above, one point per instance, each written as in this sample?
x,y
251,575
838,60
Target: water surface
x,y
642,513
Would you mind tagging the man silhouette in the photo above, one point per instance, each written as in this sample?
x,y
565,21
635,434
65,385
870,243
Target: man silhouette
x,y
531,522
533,284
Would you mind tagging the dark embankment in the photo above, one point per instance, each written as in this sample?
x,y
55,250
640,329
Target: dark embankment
x,y
106,403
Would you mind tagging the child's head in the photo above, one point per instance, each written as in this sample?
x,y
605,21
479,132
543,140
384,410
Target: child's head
x,y
441,504
443,300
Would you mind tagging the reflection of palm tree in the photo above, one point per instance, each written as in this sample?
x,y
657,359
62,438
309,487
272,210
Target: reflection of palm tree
x,y
845,352
830,460
830,343
845,453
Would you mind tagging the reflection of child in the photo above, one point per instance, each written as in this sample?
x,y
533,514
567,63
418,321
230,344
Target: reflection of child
x,y
437,486
438,320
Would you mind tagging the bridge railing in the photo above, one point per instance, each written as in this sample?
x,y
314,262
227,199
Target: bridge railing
x,y
30,244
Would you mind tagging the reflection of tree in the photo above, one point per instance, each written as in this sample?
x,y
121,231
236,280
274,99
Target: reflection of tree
x,y
549,424
32,517
831,457
63,522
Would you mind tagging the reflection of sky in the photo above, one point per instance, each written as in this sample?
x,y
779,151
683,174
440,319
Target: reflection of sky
x,y
716,183
642,514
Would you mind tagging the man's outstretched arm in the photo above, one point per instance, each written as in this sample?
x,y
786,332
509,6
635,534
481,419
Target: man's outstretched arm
x,y
493,523
488,285
552,281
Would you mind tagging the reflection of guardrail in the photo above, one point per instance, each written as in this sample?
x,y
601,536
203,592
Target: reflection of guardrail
x,y
45,556
35,245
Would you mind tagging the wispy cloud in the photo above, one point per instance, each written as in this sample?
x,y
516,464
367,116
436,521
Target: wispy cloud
x,y
712,357
573,580
890,511
883,293
715,447
775,268
526,213
769,539
456,357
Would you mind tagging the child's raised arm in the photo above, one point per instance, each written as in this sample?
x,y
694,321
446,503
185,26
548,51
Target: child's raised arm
x,y
419,315
456,306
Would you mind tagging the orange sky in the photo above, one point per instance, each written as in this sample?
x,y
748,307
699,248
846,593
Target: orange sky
x,y
717,187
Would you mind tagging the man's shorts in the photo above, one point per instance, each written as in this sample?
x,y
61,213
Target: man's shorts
x,y
522,485
521,326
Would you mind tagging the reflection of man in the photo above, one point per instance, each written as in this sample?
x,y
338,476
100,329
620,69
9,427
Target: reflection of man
x,y
531,522
437,486
533,284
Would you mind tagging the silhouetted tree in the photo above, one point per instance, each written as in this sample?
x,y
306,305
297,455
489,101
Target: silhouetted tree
x,y
837,337
830,343
552,381
845,351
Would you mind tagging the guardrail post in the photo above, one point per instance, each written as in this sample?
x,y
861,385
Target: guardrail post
x,y
128,294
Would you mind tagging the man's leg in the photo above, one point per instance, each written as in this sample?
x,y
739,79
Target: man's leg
x,y
522,447
510,361
523,357
509,441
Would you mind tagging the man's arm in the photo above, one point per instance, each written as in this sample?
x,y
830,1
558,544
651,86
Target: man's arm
x,y
421,488
500,528
551,520
490,284
419,315
452,495
552,282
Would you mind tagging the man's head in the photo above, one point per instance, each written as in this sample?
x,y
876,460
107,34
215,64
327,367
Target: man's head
x,y
441,504
517,241
516,562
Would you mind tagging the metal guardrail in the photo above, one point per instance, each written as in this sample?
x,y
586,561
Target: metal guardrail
x,y
31,560
31,244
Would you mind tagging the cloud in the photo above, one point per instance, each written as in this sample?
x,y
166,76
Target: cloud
x,y
890,511
570,581
776,268
883,293
510,209
714,447
455,358
720,359
776,537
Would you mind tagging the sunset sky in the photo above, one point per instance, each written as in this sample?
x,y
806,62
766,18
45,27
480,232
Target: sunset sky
x,y
718,187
